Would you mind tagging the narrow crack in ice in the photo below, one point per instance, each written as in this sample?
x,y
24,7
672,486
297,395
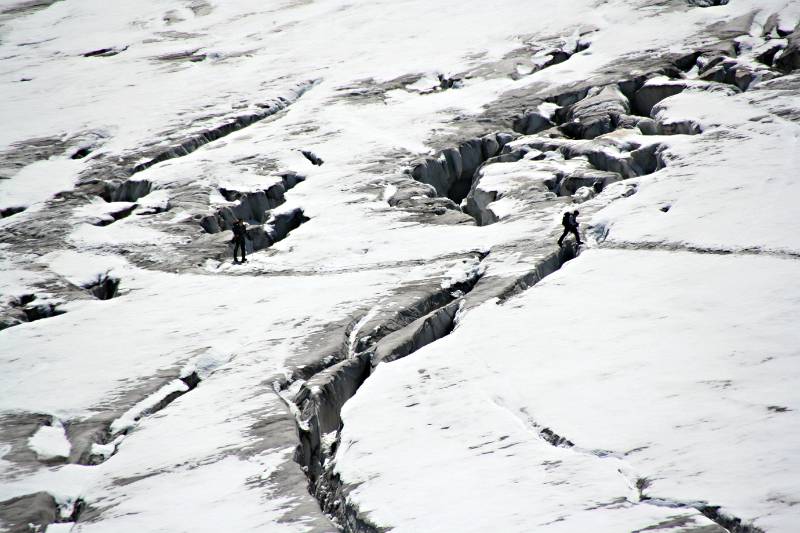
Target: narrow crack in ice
x,y
636,481
317,407
685,247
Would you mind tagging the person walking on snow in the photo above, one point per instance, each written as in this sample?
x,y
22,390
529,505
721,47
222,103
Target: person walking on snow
x,y
570,223
239,236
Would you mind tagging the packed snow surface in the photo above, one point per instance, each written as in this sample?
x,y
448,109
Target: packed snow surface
x,y
614,348
50,442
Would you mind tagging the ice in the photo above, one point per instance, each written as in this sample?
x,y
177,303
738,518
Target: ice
x,y
665,351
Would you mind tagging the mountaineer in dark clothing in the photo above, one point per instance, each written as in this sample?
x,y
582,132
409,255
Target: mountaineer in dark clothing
x,y
239,236
570,223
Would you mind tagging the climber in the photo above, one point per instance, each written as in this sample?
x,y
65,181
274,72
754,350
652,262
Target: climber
x,y
570,223
239,236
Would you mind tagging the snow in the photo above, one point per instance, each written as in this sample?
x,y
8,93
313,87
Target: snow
x,y
15,281
83,268
123,231
38,182
50,442
389,192
129,418
504,207
621,343
65,527
737,210
151,318
462,272
100,211
228,476
352,337
677,362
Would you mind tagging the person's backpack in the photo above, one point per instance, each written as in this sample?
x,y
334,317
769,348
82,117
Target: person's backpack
x,y
566,220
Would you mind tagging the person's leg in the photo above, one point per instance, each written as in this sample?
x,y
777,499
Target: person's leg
x,y
577,235
236,245
564,234
244,250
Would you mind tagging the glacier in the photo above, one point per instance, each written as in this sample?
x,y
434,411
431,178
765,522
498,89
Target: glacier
x,y
406,348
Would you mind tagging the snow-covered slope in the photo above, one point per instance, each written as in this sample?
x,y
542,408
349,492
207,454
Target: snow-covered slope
x,y
671,393
387,358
